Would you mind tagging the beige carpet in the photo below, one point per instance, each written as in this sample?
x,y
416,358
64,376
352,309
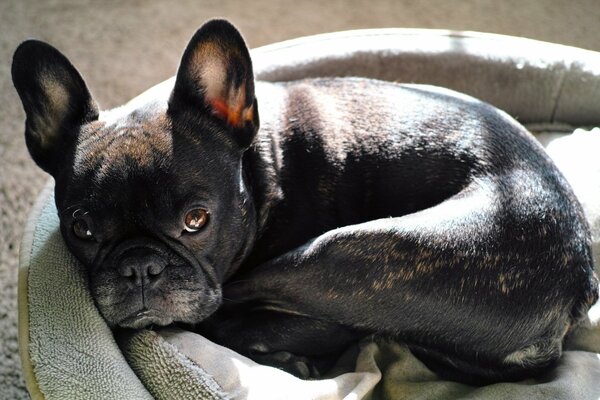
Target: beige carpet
x,y
123,47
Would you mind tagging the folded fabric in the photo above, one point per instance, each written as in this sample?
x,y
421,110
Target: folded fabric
x,y
382,371
68,352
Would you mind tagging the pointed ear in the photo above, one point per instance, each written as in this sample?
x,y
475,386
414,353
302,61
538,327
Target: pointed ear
x,y
56,101
215,78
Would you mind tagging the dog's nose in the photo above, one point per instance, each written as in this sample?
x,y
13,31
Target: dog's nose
x,y
141,268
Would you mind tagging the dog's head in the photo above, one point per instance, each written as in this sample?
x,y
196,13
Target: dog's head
x,y
152,198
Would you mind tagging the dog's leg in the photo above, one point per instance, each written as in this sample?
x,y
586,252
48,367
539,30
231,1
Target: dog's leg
x,y
303,346
489,276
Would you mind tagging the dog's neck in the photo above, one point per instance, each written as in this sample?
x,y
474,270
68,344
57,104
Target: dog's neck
x,y
262,161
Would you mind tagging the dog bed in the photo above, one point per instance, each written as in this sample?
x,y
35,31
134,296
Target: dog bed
x,y
68,352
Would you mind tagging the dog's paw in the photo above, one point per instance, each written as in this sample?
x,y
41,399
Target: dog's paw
x,y
298,366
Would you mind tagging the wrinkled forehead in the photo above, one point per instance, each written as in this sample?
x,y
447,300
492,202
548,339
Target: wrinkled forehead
x,y
142,156
125,142
124,161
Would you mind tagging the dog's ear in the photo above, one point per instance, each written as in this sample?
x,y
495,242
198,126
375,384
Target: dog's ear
x,y
56,101
215,79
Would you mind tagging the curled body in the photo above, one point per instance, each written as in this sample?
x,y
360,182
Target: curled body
x,y
354,207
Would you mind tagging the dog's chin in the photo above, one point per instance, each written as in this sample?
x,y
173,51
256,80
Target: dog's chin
x,y
146,317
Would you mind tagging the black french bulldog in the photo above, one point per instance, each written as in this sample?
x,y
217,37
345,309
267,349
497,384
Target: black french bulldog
x,y
358,207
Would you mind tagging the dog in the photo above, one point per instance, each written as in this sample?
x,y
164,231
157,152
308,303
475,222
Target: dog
x,y
358,208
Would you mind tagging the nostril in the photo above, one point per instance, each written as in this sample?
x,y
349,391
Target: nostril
x,y
155,269
140,273
140,267
126,271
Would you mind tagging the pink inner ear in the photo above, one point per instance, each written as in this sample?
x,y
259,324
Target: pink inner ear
x,y
220,109
233,114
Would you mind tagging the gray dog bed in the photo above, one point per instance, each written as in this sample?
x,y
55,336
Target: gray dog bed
x,y
68,352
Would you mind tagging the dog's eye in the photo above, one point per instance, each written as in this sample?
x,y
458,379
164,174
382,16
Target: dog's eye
x,y
195,220
81,229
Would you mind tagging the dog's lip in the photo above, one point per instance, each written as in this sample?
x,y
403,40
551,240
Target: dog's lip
x,y
142,318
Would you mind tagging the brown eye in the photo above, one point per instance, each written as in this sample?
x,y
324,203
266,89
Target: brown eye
x,y
195,219
82,230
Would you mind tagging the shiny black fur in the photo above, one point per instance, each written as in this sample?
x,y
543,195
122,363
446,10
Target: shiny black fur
x,y
359,207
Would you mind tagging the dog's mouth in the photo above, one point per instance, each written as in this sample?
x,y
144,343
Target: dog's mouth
x,y
144,282
179,299
144,318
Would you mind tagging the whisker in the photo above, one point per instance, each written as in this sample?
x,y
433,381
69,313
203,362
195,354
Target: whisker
x,y
238,281
233,300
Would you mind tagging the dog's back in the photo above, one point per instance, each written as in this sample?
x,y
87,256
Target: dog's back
x,y
492,262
